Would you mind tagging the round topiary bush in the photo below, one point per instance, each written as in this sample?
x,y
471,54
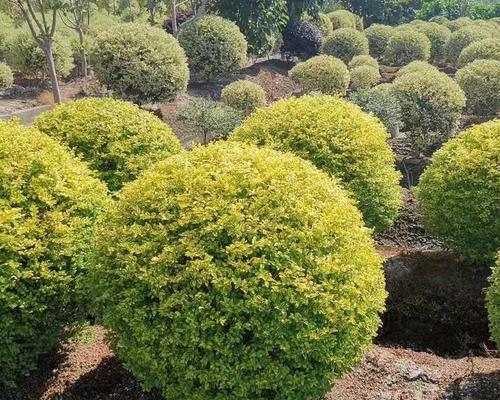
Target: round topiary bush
x,y
358,61
343,19
378,37
438,36
462,38
301,39
486,49
159,71
215,47
24,55
324,23
345,43
6,77
405,46
244,96
116,138
49,203
338,138
257,279
493,301
440,19
324,74
364,77
480,80
458,192
431,104
416,66
459,23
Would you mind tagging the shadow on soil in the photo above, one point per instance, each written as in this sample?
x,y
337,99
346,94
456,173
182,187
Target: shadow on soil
x,y
475,387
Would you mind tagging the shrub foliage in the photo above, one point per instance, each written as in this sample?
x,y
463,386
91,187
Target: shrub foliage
x,y
6,77
462,38
493,300
378,37
345,43
116,138
338,138
301,39
244,96
407,45
48,205
458,192
364,77
251,272
486,49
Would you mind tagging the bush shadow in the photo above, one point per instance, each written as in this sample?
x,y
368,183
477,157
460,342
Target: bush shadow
x,y
475,387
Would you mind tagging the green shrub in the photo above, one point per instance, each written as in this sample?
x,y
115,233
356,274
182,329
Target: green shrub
x,y
405,46
486,49
211,119
438,36
459,23
378,37
440,19
493,301
49,203
251,272
462,38
25,56
343,19
116,138
364,77
324,74
458,192
159,69
215,47
416,66
480,80
431,104
324,23
345,43
6,77
383,104
244,96
7,27
358,61
301,39
338,138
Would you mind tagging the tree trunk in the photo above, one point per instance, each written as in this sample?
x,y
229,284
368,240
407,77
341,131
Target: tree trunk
x,y
174,17
83,56
49,55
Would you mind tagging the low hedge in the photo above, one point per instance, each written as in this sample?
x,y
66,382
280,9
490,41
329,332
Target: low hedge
x,y
49,205
339,138
116,138
458,193
251,272
324,74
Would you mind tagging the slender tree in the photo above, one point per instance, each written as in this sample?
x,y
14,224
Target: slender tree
x,y
41,18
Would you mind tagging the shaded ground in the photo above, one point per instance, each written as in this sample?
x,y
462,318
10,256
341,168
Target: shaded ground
x,y
89,371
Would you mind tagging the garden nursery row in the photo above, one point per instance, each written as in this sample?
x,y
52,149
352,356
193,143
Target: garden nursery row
x,y
235,200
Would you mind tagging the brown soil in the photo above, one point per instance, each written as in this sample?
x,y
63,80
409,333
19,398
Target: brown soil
x,y
90,371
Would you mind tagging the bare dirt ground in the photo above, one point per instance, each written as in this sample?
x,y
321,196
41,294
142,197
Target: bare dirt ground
x,y
88,370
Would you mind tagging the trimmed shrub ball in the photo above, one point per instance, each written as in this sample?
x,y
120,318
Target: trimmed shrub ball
x,y
24,55
244,96
215,47
324,74
49,202
378,37
416,66
6,77
438,36
339,138
301,39
345,43
405,46
116,138
232,272
343,19
493,301
480,80
458,192
358,61
486,49
324,23
459,23
364,77
161,74
462,38
440,19
431,104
